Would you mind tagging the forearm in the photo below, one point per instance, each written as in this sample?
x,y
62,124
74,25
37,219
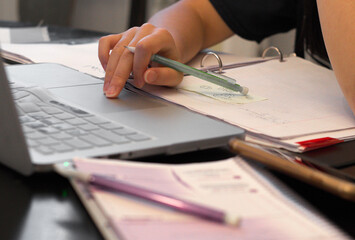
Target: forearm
x,y
194,25
338,26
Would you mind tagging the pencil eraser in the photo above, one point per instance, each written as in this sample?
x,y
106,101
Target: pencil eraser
x,y
245,90
232,219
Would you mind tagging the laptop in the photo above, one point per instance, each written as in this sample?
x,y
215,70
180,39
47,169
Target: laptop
x,y
51,113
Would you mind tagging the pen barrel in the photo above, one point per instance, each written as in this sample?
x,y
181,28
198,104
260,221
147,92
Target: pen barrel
x,y
338,186
197,73
166,200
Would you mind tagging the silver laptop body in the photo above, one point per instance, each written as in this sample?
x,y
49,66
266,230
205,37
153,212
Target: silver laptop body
x,y
133,125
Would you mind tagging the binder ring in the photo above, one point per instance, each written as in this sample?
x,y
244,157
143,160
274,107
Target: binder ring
x,y
220,64
281,57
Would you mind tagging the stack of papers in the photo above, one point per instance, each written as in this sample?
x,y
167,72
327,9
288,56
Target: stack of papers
x,y
295,104
267,209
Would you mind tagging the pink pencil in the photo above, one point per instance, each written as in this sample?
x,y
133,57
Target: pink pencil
x,y
164,199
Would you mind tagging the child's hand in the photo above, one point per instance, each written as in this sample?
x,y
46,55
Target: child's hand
x,y
118,62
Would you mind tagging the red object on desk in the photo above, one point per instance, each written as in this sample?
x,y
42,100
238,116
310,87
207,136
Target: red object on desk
x,y
318,143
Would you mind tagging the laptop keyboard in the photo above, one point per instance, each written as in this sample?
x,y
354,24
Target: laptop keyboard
x,y
52,127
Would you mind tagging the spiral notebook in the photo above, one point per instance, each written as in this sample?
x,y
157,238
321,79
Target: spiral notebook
x,y
268,209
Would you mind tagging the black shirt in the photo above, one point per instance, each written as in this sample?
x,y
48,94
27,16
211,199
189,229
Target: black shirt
x,y
258,19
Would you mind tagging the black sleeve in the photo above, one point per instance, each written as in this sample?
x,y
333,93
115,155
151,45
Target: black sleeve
x,y
258,19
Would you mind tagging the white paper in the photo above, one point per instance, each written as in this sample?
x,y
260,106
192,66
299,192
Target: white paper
x,y
82,57
302,99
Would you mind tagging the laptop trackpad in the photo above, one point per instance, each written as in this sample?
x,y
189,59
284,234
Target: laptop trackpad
x,y
91,97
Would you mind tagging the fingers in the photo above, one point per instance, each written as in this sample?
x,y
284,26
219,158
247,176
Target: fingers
x,y
119,65
163,76
118,62
159,41
105,45
116,76
143,51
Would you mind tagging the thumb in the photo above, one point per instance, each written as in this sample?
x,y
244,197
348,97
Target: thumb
x,y
163,76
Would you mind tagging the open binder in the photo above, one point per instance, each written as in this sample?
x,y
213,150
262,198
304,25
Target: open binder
x,y
220,67
304,108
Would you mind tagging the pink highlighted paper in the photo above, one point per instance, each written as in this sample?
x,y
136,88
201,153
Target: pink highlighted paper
x,y
230,185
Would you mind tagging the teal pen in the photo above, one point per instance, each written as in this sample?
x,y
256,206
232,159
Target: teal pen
x,y
211,77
